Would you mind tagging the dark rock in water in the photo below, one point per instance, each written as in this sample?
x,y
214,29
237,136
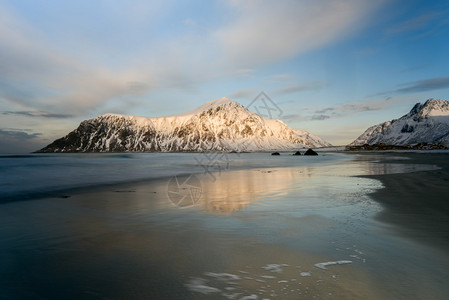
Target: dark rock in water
x,y
275,153
310,152
297,153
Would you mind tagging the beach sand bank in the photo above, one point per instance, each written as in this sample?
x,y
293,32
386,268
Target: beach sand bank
x,y
417,203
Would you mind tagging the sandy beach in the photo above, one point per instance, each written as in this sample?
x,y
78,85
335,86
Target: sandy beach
x,y
417,203
368,226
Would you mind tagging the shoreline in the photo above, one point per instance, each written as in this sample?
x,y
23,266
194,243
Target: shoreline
x,y
248,221
415,203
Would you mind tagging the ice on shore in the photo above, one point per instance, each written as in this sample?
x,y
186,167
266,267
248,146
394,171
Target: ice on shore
x,y
231,296
222,276
323,265
198,285
251,297
276,268
234,287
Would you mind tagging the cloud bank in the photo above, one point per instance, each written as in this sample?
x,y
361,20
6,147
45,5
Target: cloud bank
x,y
268,31
41,72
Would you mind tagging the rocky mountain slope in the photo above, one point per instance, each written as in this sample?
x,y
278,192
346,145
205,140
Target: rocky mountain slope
x,y
218,125
426,123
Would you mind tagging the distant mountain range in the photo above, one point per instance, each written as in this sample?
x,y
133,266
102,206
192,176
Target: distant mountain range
x,y
426,124
218,125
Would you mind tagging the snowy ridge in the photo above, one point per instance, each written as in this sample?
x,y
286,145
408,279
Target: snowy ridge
x,y
425,123
218,125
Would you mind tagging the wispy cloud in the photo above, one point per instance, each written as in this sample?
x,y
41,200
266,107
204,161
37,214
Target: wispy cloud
x,y
325,110
415,23
268,31
320,117
244,72
18,141
18,134
316,85
37,75
40,114
412,68
244,93
367,51
282,76
425,85
290,118
342,110
189,22
42,73
426,24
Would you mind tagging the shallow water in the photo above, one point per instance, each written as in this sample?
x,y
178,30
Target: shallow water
x,y
257,232
32,175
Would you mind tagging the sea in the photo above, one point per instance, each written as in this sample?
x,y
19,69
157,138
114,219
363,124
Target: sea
x,y
37,175
207,226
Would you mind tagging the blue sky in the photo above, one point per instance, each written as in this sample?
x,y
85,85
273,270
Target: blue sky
x,y
334,67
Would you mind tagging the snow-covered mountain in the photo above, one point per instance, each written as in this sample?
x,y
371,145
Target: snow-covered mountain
x,y
218,125
425,123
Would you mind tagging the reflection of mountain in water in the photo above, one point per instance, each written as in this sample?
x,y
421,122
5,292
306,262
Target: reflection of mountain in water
x,y
233,191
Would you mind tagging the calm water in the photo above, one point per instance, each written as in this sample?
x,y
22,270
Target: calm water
x,y
254,228
25,176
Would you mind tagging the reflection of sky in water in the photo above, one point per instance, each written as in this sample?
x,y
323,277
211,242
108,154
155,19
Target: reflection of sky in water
x,y
311,187
42,173
130,241
325,210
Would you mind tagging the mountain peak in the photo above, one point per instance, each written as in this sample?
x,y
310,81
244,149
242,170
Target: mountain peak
x,y
213,104
219,102
433,101
107,115
218,125
425,123
435,107
431,108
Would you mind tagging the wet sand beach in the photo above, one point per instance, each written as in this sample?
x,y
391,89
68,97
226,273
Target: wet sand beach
x,y
351,229
417,204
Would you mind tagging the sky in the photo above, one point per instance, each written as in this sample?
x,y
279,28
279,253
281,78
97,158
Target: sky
x,y
333,67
